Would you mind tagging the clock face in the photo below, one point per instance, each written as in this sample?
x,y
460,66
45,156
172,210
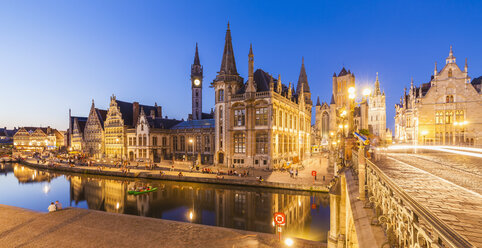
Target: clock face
x,y
197,82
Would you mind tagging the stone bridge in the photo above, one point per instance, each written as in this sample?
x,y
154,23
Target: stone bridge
x,y
405,222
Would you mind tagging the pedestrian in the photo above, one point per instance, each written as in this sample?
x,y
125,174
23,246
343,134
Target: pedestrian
x,y
51,208
58,205
297,172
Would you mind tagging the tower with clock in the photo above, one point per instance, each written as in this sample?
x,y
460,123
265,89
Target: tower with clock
x,y
196,86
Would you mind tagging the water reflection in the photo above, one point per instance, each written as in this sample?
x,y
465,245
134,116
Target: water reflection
x,y
307,215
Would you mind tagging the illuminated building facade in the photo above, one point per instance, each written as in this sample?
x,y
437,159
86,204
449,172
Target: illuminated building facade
x,y
444,111
260,123
38,139
94,132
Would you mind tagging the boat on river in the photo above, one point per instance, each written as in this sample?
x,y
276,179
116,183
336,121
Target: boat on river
x,y
138,192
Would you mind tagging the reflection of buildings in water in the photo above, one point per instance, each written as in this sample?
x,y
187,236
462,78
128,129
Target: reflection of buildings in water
x,y
205,204
27,175
6,168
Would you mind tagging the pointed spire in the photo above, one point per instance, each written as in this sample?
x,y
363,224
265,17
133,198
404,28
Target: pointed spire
x,y
411,82
332,99
279,88
290,92
196,57
271,83
228,64
451,57
435,71
318,101
250,87
377,86
466,66
302,79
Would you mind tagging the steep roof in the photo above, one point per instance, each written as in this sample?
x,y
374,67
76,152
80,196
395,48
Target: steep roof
x,y
102,115
302,79
343,72
477,83
127,110
332,99
228,63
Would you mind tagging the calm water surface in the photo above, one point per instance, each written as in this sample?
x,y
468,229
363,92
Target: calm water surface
x,y
246,208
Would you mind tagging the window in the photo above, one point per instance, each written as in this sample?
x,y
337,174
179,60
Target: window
x,y
280,122
261,143
198,143
164,141
450,73
448,117
207,144
239,204
274,117
154,141
174,143
220,95
239,115
240,143
261,116
140,140
182,140
459,116
144,140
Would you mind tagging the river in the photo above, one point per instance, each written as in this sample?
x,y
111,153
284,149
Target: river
x,y
245,208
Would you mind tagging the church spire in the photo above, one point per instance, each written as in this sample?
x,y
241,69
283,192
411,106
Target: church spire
x,y
318,101
302,79
451,57
196,57
228,64
377,86
466,66
435,71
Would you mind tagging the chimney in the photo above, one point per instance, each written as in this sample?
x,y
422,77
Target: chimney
x,y
159,111
153,113
135,113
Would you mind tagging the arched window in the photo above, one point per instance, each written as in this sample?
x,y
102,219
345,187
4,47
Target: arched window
x,y
450,73
220,95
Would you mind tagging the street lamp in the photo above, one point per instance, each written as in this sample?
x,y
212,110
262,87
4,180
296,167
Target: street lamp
x,y
424,132
366,92
191,141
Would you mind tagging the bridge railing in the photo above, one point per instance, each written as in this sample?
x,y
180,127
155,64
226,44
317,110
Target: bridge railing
x,y
445,236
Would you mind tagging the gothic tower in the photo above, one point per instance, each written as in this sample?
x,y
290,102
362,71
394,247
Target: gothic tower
x,y
196,86
226,83
377,112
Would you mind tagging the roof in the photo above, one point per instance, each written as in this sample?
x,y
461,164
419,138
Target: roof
x,y
477,83
343,72
81,124
102,115
127,110
261,79
207,116
162,122
195,124
7,133
228,64
332,99
302,79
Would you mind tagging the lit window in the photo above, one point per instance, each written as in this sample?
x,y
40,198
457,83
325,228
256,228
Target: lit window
x,y
239,117
240,143
261,116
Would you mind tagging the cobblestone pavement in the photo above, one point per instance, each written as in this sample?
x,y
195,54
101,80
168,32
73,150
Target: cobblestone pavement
x,y
459,207
465,171
74,227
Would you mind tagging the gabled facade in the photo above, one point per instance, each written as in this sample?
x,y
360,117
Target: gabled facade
x,y
445,111
78,127
260,123
94,132
38,139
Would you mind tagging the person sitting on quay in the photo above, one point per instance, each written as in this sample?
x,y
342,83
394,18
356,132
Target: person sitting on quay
x,y
58,205
180,174
52,207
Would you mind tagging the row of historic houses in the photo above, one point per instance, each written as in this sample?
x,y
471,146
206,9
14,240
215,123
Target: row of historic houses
x,y
259,122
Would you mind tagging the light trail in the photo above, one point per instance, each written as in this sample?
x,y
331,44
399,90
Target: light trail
x,y
439,148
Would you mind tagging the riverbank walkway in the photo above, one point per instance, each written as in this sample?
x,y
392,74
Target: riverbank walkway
x,y
75,227
273,179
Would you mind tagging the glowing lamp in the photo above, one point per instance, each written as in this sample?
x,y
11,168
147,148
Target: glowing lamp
x,y
424,132
289,242
351,90
367,92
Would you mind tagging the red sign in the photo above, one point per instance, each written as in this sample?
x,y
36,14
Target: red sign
x,y
313,173
313,206
279,218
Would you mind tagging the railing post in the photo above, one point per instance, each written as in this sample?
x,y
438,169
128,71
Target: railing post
x,y
361,173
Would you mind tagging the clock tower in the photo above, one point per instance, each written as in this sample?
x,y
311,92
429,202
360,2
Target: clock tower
x,y
196,86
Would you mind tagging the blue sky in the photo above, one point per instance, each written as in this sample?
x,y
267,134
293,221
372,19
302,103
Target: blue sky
x,y
56,55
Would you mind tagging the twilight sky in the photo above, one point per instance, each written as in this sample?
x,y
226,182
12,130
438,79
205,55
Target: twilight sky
x,y
56,55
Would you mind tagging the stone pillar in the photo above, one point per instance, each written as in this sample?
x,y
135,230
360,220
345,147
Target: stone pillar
x,y
361,173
